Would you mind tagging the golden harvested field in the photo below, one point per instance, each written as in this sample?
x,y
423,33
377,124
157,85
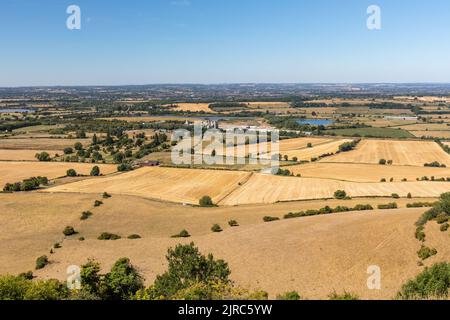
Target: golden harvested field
x,y
360,172
315,151
170,184
434,134
238,188
23,155
285,146
193,107
412,153
17,171
276,257
39,144
426,126
263,188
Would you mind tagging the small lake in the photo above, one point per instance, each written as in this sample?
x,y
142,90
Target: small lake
x,y
315,122
17,110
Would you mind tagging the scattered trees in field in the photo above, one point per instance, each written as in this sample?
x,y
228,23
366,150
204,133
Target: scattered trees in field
x,y
43,156
26,185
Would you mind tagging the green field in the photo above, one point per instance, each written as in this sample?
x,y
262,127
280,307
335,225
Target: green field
x,y
371,132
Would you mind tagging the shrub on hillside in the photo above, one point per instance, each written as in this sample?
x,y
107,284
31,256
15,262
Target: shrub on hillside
x,y
41,262
68,231
426,252
432,283
183,234
340,194
292,295
85,215
134,236
108,236
216,228
392,205
233,223
270,219
444,227
342,296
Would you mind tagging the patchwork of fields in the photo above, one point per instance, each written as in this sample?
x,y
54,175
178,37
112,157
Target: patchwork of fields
x,y
11,171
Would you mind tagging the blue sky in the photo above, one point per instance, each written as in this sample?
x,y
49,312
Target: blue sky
x,y
222,41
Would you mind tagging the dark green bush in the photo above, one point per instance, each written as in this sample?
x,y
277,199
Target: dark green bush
x,y
68,231
270,219
108,236
340,194
97,203
216,228
233,223
134,236
41,262
432,283
85,215
426,252
182,234
292,295
71,173
392,205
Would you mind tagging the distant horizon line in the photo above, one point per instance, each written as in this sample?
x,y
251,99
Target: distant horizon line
x,y
220,84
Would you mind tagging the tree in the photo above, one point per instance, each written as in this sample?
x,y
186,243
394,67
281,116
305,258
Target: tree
x,y
206,201
95,171
68,150
122,282
187,266
340,194
94,139
71,173
432,283
43,156
78,146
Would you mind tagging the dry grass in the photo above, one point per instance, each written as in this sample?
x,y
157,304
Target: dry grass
x,y
170,184
193,107
434,134
17,171
39,143
412,153
23,155
314,255
237,188
263,188
359,172
316,151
